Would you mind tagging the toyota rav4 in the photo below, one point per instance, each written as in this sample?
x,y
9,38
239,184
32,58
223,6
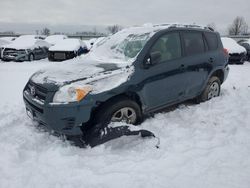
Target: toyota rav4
x,y
128,75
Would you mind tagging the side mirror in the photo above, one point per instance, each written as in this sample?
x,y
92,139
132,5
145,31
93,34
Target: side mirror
x,y
153,58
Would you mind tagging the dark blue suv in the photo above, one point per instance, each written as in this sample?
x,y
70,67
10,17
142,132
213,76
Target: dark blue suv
x,y
135,72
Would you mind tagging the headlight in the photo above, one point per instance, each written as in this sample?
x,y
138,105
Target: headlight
x,y
71,94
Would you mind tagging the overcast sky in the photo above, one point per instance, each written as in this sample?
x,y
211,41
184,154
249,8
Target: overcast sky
x,y
14,13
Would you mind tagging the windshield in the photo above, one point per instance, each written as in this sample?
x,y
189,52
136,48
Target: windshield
x,y
124,45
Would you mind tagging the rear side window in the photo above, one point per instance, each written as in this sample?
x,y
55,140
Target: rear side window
x,y
193,43
212,41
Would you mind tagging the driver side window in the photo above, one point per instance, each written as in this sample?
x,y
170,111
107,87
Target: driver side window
x,y
168,46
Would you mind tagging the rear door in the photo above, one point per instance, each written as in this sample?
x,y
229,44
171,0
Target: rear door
x,y
197,61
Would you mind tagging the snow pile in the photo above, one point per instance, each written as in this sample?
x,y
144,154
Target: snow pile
x,y
98,40
53,39
92,42
232,46
205,145
27,42
67,45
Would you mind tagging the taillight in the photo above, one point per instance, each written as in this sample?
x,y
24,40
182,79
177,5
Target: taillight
x,y
226,51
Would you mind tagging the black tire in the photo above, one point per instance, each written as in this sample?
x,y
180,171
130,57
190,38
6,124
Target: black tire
x,y
205,94
107,111
31,57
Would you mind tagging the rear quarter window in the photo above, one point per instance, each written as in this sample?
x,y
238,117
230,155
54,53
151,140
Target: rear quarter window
x,y
212,41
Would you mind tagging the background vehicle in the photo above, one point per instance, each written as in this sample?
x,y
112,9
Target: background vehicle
x,y
53,39
237,53
25,48
67,49
246,45
4,41
135,72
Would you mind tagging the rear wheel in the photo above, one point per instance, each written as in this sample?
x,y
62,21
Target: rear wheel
x,y
212,90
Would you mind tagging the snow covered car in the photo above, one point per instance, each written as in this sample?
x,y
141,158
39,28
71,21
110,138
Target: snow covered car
x,y
53,39
246,45
237,53
67,49
25,48
133,73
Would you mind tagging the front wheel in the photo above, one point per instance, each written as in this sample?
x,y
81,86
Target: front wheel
x,y
31,57
121,109
212,90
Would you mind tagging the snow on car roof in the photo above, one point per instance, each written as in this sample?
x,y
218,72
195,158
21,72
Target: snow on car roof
x,y
67,45
26,42
113,48
232,46
53,39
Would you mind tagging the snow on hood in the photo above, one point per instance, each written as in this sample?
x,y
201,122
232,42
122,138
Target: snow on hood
x,y
232,46
53,39
86,71
67,45
6,40
3,42
102,80
27,42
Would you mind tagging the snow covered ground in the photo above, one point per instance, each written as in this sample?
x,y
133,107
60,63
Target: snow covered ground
x,y
206,145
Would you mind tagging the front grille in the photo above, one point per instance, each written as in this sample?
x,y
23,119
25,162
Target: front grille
x,y
69,123
12,52
33,106
38,93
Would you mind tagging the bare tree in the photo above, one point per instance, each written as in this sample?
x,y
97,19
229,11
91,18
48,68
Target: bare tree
x,y
212,25
114,28
239,26
245,30
94,30
45,31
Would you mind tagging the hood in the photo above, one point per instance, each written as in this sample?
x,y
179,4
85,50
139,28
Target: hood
x,y
82,73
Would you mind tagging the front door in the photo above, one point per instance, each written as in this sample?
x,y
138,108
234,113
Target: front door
x,y
165,82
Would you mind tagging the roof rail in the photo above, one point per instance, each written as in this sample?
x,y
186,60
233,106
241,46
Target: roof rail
x,y
176,25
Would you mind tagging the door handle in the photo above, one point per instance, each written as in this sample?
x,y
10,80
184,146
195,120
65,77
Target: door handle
x,y
211,60
182,67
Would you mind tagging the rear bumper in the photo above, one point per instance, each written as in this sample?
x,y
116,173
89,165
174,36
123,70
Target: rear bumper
x,y
67,55
63,119
237,58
